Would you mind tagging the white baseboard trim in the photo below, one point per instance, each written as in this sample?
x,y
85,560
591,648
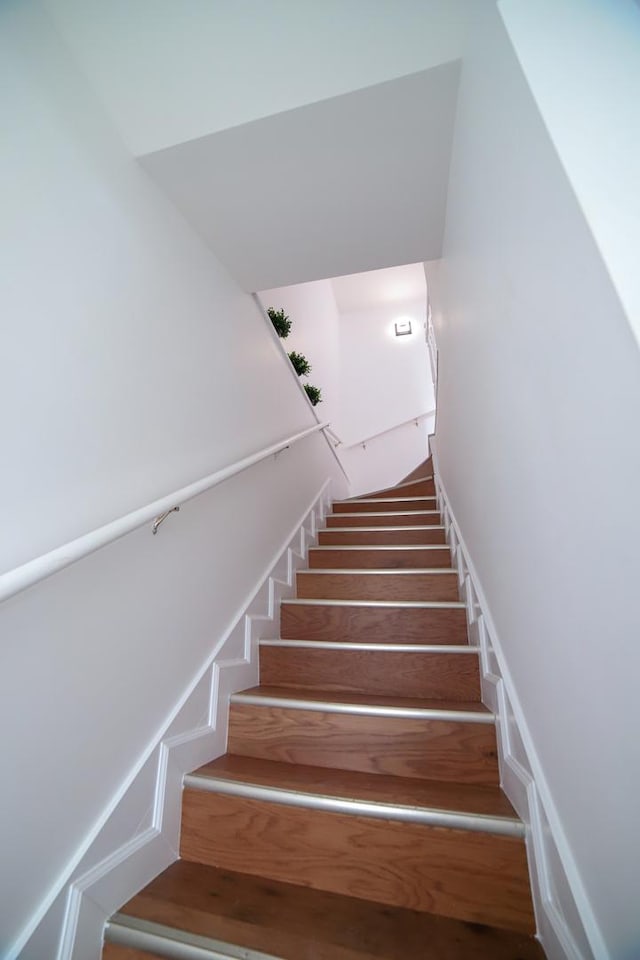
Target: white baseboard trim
x,y
565,924
138,835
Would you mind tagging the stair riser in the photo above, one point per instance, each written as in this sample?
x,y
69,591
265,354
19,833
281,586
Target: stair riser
x,y
418,488
381,537
447,750
411,519
372,625
398,506
378,559
447,676
372,586
476,877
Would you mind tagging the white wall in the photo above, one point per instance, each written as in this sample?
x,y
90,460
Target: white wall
x,y
539,397
371,380
589,98
385,381
165,69
385,461
131,365
311,307
122,332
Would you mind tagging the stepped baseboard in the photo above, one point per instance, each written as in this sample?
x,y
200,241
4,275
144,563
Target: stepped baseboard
x,y
562,912
113,864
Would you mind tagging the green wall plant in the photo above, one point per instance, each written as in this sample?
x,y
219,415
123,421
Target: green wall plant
x,y
314,394
300,363
281,322
282,325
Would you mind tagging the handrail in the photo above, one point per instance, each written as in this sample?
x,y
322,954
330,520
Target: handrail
x,y
18,579
404,423
333,437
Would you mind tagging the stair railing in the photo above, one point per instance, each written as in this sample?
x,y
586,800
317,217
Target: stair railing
x,y
374,436
18,579
332,437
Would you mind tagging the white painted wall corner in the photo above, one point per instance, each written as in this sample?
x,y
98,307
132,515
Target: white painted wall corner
x,y
565,925
117,860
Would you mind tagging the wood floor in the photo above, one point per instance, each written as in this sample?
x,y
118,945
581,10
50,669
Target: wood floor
x,y
357,813
238,908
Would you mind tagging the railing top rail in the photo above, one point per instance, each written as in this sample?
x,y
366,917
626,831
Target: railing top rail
x,y
403,423
332,436
49,563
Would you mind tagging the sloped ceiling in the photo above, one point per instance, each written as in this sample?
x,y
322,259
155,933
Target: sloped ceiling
x,y
169,71
352,183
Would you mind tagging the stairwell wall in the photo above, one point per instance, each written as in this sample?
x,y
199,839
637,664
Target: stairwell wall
x,y
132,364
371,381
386,381
538,403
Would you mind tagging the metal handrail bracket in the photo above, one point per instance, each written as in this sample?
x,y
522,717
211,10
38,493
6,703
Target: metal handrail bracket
x,y
162,518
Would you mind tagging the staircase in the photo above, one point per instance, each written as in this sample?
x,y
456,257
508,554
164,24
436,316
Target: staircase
x,y
357,813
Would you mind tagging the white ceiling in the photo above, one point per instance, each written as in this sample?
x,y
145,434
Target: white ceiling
x,y
353,183
391,285
173,70
303,140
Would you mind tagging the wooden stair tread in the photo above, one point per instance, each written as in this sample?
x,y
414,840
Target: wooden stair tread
x,y
349,524
370,825
426,548
425,739
375,549
392,571
394,494
297,923
389,538
432,508
379,788
427,518
346,519
417,621
339,697
113,951
382,505
424,471
375,604
386,520
384,491
407,670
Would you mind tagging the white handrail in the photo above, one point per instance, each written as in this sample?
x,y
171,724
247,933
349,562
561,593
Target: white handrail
x,y
44,566
333,437
404,423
